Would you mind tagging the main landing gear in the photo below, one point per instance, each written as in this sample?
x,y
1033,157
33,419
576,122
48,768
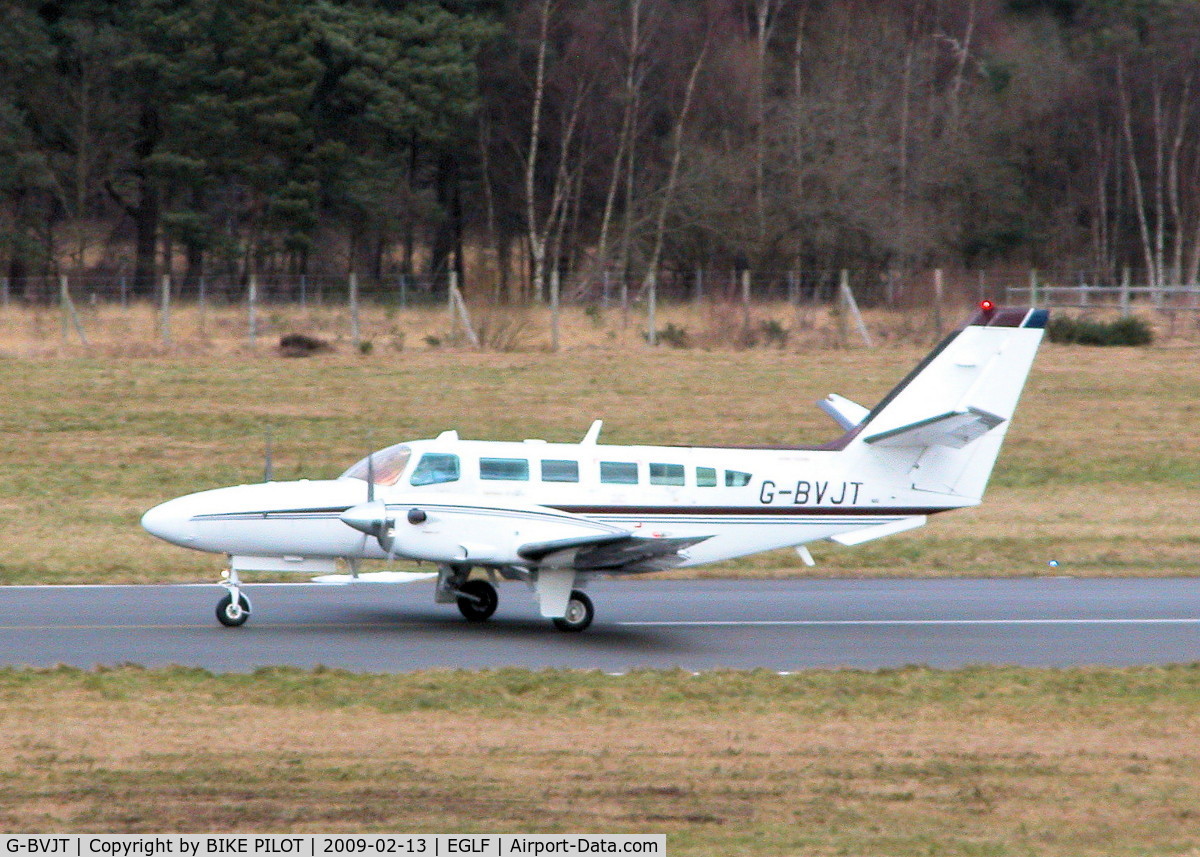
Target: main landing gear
x,y
477,600
234,607
580,613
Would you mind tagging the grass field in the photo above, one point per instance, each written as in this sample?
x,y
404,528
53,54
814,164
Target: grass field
x,y
907,762
1102,458
1100,473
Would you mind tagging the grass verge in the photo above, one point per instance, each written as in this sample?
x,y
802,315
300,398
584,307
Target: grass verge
x,y
899,762
1102,455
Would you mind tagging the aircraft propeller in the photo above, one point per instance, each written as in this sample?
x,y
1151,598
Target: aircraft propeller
x,y
371,518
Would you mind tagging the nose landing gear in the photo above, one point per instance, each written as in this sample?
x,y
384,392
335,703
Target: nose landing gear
x,y
234,607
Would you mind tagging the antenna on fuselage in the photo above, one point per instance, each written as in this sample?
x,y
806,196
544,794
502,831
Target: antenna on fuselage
x,y
268,465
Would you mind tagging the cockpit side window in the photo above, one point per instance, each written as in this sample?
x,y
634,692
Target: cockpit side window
x,y
434,468
388,465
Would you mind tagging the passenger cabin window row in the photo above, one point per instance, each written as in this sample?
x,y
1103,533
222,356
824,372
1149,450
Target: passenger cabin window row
x,y
439,467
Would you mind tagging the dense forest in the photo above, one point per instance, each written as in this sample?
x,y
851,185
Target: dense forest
x,y
506,139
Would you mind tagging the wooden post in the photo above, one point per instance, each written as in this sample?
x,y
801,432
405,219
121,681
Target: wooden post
x,y
652,308
355,330
1084,291
202,307
746,298
624,299
303,290
459,307
604,290
124,292
554,284
1033,287
403,291
793,288
68,311
252,310
164,309
1125,278
939,292
852,306
698,293
4,290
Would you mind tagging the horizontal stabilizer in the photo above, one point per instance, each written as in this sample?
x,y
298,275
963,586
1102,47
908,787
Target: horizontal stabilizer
x,y
878,531
845,413
954,429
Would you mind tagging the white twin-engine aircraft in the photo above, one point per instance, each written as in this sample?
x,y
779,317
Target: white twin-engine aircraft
x,y
556,514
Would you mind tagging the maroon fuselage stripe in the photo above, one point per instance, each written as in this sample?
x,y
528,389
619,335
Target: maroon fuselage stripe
x,y
765,511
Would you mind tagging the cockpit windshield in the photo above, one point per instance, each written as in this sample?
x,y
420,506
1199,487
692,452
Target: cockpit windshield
x,y
388,465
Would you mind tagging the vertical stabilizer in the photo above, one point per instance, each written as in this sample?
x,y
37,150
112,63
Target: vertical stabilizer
x,y
940,430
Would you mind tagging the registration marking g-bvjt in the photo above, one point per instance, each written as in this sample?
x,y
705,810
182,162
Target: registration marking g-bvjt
x,y
814,492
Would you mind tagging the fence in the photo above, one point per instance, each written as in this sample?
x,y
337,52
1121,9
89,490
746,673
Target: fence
x,y
73,297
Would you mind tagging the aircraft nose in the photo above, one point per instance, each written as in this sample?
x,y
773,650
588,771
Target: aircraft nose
x,y
169,521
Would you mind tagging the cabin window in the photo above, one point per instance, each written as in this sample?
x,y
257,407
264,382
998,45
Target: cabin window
x,y
560,471
619,472
435,467
515,469
736,479
666,474
706,477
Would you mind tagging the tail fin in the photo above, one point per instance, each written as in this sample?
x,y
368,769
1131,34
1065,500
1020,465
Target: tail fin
x,y
943,425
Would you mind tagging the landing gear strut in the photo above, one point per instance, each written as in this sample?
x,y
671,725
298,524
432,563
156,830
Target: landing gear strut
x,y
234,608
580,613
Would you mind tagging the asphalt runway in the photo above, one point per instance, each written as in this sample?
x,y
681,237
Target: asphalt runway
x,y
694,625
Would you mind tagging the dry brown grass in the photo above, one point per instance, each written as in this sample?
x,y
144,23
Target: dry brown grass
x,y
910,762
222,330
1102,458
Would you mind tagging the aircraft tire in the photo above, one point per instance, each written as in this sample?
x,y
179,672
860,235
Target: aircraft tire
x,y
481,610
580,613
231,615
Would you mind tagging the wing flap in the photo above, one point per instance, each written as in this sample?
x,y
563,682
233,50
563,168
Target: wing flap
x,y
613,552
954,429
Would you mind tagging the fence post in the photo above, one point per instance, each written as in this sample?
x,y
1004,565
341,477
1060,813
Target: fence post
x,y
68,311
554,285
403,291
698,292
652,309
852,305
604,290
124,292
355,330
939,292
164,309
1125,278
624,299
1033,287
202,307
303,290
4,290
458,310
252,310
746,297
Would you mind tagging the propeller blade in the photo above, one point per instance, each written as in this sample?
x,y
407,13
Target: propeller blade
x,y
370,477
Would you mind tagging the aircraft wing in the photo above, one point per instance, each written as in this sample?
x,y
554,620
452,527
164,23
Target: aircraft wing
x,y
954,429
610,552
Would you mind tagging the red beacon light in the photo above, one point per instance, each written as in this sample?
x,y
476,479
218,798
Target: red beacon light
x,y
987,307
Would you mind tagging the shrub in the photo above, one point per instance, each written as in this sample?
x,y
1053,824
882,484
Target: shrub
x,y
674,336
773,333
302,345
1128,330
